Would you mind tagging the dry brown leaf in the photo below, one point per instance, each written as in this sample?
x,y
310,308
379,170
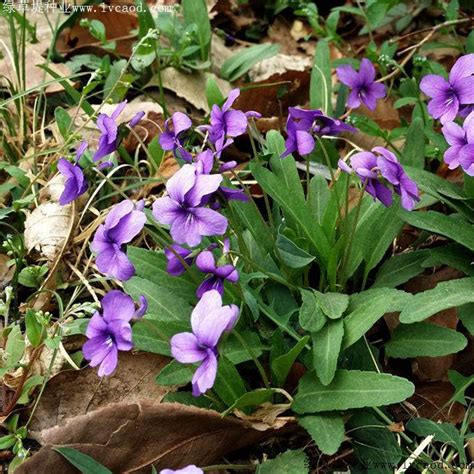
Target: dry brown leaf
x,y
430,397
72,393
48,226
278,65
119,26
267,416
191,87
130,437
6,271
35,77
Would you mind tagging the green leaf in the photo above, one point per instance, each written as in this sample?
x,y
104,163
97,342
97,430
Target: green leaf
x,y
289,462
241,62
320,91
83,462
319,197
281,365
350,389
366,308
400,268
163,304
326,348
424,339
405,101
414,150
33,381
195,12
152,335
34,329
213,93
15,346
466,315
373,443
456,229
332,305
292,255
326,430
229,384
63,121
311,316
7,441
447,294
443,432
236,352
284,186
460,384
252,399
174,373
151,265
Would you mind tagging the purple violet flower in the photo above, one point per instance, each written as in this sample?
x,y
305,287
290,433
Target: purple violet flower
x,y
191,469
142,307
448,95
75,184
183,209
461,139
121,225
109,332
381,163
206,262
175,266
227,123
209,320
302,125
170,139
108,127
135,120
363,87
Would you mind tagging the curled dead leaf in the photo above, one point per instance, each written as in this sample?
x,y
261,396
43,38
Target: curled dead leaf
x,y
48,227
72,393
6,270
267,416
165,435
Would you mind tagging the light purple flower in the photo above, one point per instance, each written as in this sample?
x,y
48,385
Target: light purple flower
x,y
121,225
175,266
108,127
448,95
142,307
363,87
302,125
109,332
461,139
75,184
171,138
183,209
381,163
136,119
191,469
209,320
205,261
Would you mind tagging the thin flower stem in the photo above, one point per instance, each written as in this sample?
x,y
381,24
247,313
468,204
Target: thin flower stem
x,y
251,353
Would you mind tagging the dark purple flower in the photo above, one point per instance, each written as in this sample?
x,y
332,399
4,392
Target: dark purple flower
x,y
302,125
231,194
209,320
75,183
191,469
363,87
381,163
108,127
175,266
448,95
121,225
109,332
183,209
217,274
204,162
171,138
461,139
